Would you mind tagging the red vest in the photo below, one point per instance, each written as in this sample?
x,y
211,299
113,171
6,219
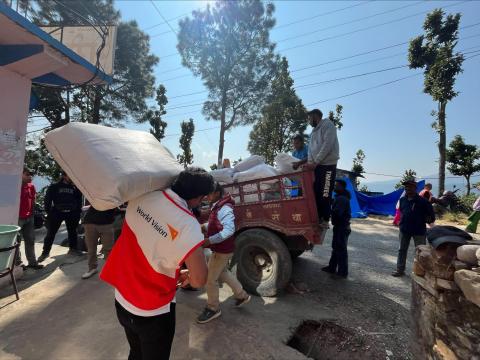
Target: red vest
x,y
215,226
158,234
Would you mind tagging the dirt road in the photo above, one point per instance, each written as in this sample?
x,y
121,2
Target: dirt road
x,y
61,316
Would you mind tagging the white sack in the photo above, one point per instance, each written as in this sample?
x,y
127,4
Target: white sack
x,y
249,163
223,175
285,162
111,166
257,172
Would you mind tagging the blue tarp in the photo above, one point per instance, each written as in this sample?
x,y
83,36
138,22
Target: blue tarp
x,y
383,204
362,205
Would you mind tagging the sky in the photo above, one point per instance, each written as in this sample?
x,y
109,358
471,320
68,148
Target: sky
x,y
391,123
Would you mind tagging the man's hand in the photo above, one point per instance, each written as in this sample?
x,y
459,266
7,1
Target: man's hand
x,y
206,243
183,279
204,229
309,166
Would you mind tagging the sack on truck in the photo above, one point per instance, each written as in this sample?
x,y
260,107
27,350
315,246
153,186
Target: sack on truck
x,y
111,166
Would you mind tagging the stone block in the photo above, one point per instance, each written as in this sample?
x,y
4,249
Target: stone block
x,y
460,265
469,282
417,268
446,284
443,352
467,254
433,264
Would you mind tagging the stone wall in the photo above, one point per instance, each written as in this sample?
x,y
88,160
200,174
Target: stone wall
x,y
447,325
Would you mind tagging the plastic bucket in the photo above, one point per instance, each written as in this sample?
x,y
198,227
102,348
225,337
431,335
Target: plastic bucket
x,y
8,235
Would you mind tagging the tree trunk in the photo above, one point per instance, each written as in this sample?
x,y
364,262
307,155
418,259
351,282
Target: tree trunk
x,y
222,130
67,108
96,107
442,144
468,184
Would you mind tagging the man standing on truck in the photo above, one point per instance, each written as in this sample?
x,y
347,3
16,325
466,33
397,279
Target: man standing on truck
x,y
341,215
323,155
63,202
416,213
159,234
221,240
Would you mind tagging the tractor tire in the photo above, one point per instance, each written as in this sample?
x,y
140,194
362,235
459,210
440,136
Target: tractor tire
x,y
262,261
295,253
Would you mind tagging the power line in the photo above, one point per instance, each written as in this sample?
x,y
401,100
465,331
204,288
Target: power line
x,y
376,86
163,18
350,22
365,28
171,70
162,23
320,15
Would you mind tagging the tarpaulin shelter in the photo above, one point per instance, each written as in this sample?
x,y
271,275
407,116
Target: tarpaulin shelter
x,y
362,205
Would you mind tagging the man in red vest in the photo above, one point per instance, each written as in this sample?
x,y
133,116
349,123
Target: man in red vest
x,y
159,234
26,221
221,240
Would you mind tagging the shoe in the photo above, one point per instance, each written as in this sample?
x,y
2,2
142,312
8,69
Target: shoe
x,y
241,302
89,273
75,252
42,258
398,273
328,269
189,288
208,315
35,266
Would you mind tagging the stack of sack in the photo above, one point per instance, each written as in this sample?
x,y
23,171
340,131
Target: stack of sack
x,y
449,262
111,166
252,168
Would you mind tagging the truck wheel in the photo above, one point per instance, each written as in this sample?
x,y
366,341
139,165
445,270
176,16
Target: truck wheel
x,y
263,263
296,253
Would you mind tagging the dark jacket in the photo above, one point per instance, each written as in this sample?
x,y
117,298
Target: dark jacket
x,y
416,213
63,198
97,217
341,212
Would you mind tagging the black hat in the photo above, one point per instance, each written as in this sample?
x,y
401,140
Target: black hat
x,y
439,235
409,182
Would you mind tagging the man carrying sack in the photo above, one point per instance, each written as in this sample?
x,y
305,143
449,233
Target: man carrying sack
x,y
159,234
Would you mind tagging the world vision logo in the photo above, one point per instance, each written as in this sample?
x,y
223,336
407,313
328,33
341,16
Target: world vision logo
x,y
173,231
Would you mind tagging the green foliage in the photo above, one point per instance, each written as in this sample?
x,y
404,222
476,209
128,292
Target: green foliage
x,y
357,166
154,116
112,105
408,175
213,167
188,129
40,161
282,117
466,202
336,117
434,52
228,46
364,188
463,159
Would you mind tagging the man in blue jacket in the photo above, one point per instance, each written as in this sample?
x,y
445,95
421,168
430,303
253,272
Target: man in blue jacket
x,y
416,213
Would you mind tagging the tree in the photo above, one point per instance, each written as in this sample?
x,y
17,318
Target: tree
x,y
463,159
282,117
434,52
133,79
154,116
336,117
408,175
188,129
228,46
357,166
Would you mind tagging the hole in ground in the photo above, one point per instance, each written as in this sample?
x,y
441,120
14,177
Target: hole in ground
x,y
325,340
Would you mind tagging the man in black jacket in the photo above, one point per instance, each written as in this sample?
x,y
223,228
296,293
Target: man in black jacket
x,y
416,213
63,202
341,214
